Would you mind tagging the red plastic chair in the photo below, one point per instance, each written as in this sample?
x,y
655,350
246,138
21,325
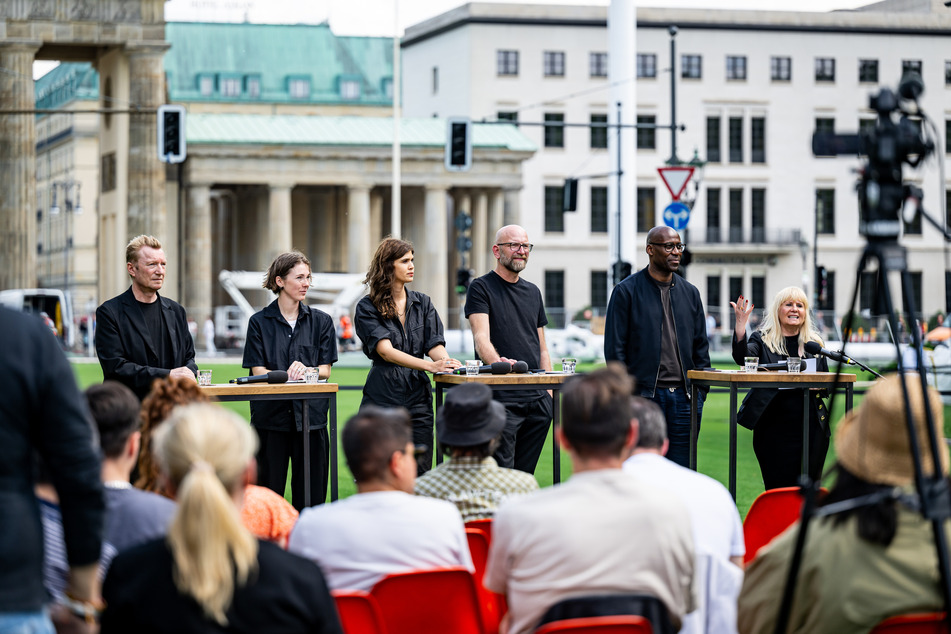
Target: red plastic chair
x,y
430,601
483,525
492,605
926,623
770,514
358,612
621,624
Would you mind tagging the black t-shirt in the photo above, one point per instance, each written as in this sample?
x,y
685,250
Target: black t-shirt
x,y
516,312
158,333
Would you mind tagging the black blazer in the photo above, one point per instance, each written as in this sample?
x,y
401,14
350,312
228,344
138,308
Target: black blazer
x,y
124,347
759,398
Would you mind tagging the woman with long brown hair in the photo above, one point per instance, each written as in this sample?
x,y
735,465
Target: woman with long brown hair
x,y
398,328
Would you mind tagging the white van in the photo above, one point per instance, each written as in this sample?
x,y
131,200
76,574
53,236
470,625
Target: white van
x,y
50,302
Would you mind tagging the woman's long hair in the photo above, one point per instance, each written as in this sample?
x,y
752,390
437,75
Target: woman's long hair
x,y
165,395
772,331
204,451
876,523
379,277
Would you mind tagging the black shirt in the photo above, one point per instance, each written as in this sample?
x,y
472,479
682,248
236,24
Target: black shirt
x,y
154,323
388,384
516,312
273,345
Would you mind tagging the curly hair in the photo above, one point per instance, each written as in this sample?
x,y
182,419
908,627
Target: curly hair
x,y
165,395
379,277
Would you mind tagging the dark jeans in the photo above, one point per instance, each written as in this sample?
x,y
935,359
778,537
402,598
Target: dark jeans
x,y
676,407
422,417
524,434
277,447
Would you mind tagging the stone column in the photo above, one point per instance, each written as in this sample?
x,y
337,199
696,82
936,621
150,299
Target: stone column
x,y
358,228
146,186
197,258
513,209
376,217
279,221
17,166
496,216
480,229
435,264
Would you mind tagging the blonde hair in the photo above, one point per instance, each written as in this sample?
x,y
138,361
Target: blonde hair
x,y
772,331
135,245
204,450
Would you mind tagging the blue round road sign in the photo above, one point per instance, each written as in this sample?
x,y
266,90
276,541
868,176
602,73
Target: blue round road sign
x,y
676,216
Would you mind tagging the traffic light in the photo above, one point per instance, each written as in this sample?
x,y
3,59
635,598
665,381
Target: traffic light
x,y
569,199
621,270
459,145
463,277
171,134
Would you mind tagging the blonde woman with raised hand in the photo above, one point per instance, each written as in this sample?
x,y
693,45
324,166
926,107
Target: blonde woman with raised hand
x,y
210,574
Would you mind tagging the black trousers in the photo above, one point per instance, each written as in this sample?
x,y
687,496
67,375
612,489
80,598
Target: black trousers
x,y
277,447
420,410
777,441
524,434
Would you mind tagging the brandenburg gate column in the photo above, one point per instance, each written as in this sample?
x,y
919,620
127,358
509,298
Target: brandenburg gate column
x,y
197,272
359,240
146,210
17,166
435,263
280,238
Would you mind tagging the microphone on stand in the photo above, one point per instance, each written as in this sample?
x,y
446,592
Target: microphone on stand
x,y
275,376
499,367
814,348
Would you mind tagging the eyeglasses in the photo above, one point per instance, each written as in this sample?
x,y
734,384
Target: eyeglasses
x,y
517,246
670,246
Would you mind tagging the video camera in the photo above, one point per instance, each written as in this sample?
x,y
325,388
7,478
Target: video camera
x,y
882,194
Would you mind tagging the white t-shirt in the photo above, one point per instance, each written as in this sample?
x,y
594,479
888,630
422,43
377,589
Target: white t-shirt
x,y
360,540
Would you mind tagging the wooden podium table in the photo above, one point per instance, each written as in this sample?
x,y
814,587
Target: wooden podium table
x,y
285,392
738,379
502,382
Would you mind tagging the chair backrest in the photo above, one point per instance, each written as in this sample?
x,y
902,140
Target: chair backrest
x,y
492,605
621,624
484,525
645,606
430,601
771,513
359,613
925,623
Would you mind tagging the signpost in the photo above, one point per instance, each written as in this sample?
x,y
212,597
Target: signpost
x,y
676,216
676,179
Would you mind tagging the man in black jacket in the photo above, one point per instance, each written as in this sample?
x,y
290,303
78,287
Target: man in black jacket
x,y
141,336
656,326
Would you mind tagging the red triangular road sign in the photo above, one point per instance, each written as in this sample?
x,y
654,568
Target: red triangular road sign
x,y
676,179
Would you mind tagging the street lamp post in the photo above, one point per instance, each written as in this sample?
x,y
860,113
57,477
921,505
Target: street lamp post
x,y
71,205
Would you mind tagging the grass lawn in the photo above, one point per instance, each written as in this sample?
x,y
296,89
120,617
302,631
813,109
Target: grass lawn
x,y
712,451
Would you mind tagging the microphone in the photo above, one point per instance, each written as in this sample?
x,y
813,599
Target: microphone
x,y
520,367
499,367
814,348
277,376
780,366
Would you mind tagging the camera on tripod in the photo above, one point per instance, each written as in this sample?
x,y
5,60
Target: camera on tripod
x,y
888,145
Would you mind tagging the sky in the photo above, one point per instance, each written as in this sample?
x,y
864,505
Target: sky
x,y
380,17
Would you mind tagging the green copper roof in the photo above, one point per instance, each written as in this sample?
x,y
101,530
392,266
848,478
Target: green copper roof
x,y
65,83
261,61
364,131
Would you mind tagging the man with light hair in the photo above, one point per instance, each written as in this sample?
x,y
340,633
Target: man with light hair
x,y
717,529
141,336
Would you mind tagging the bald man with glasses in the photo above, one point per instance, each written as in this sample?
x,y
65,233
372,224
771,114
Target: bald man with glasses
x,y
507,317
656,326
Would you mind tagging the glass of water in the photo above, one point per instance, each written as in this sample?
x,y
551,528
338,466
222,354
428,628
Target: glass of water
x,y
472,367
568,365
793,364
204,378
750,364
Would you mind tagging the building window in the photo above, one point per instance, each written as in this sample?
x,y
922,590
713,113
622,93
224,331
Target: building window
x,y
868,285
107,171
506,63
252,86
713,215
646,65
736,67
435,80
229,86
736,215
825,125
350,89
825,211
758,290
507,115
554,209
599,291
298,88
554,130
912,228
866,126
825,69
645,209
555,297
598,64
599,131
713,139
736,287
868,71
780,68
915,277
599,210
554,63
758,154
826,292
691,67
713,295
910,66
206,85
646,137
736,139
758,216
947,73
387,85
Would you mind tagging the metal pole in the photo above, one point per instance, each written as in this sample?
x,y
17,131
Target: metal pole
x,y
396,210
673,160
815,253
620,172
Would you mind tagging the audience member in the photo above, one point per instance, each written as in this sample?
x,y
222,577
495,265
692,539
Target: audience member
x,y
211,574
864,564
602,532
383,529
468,429
717,529
42,413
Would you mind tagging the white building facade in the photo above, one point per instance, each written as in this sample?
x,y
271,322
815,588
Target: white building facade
x,y
751,87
